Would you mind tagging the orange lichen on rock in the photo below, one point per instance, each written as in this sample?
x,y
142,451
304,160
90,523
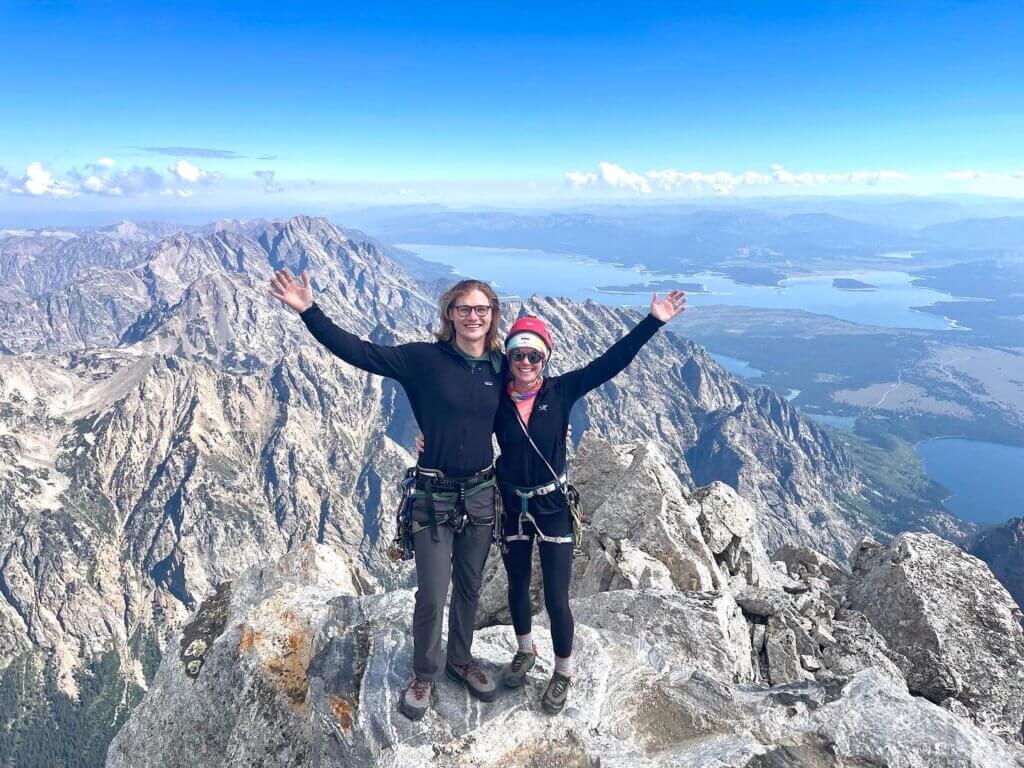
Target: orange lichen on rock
x,y
343,710
248,639
291,665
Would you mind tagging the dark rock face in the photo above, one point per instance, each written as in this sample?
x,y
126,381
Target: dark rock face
x,y
199,634
1003,549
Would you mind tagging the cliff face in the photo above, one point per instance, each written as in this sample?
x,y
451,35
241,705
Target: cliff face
x,y
165,425
1002,548
692,648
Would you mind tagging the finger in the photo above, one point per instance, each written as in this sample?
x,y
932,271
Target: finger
x,y
305,278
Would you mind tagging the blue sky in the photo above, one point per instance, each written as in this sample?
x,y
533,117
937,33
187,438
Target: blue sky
x,y
187,103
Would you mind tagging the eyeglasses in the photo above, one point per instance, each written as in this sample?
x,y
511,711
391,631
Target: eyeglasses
x,y
518,355
480,309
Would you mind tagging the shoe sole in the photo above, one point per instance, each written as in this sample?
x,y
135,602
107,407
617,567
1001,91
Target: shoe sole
x,y
551,709
515,682
412,714
481,695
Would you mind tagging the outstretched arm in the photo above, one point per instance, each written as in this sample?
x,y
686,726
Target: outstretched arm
x,y
576,384
375,358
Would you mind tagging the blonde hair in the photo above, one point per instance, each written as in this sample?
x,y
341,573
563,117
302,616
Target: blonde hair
x,y
461,288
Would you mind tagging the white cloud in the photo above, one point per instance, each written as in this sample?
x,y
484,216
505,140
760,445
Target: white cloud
x,y
966,175
185,193
268,181
106,162
578,179
38,182
186,171
614,176
617,177
100,180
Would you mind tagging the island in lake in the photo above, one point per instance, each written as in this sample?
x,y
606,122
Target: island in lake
x,y
661,285
849,284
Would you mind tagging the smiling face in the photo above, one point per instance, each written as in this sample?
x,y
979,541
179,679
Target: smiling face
x,y
525,374
473,327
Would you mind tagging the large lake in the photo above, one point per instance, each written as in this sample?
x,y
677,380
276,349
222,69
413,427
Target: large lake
x,y
521,272
982,476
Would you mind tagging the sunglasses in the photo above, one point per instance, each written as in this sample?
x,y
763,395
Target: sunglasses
x,y
480,309
518,355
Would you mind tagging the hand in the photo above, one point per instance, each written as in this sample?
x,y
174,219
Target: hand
x,y
420,444
672,305
298,296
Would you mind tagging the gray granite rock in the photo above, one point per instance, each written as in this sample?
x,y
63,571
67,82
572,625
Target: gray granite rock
x,y
304,672
958,628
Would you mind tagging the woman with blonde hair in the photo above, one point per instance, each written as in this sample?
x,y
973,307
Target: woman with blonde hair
x,y
453,385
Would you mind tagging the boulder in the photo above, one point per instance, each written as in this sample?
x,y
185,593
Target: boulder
x,y
957,626
801,560
728,525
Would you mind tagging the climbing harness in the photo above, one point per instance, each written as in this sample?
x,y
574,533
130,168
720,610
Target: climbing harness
x,y
560,483
433,485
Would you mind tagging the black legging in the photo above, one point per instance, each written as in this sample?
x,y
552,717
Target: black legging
x,y
556,568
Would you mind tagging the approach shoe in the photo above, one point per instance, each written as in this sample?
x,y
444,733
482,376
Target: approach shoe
x,y
555,694
478,682
416,698
522,662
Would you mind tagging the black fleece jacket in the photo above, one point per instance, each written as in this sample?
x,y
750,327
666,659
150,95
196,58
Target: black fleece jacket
x,y
519,463
454,403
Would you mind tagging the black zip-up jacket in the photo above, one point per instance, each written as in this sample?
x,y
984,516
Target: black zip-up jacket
x,y
519,463
454,403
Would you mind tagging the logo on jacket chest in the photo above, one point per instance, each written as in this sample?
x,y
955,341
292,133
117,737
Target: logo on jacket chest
x,y
542,407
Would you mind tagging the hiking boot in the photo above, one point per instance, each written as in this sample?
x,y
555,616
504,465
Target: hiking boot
x,y
554,696
476,680
522,662
416,698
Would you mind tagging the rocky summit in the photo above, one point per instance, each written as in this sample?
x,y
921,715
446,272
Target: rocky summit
x,y
693,648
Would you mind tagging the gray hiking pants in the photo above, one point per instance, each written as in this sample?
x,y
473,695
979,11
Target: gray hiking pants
x,y
457,558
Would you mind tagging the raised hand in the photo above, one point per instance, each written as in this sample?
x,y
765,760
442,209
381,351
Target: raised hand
x,y
667,308
298,296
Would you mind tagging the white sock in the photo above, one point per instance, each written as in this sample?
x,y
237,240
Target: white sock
x,y
525,642
563,666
